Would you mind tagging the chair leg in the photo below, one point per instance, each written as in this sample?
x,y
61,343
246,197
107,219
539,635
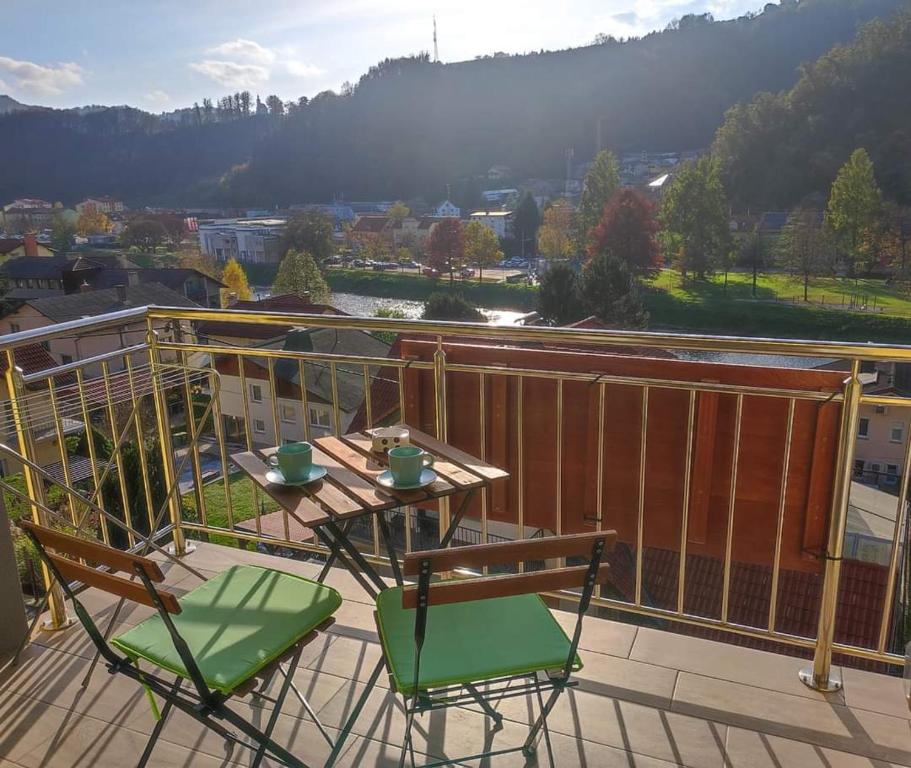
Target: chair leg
x,y
280,700
484,704
159,726
528,748
355,713
407,746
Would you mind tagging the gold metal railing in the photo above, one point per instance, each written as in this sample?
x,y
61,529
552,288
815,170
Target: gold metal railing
x,y
158,375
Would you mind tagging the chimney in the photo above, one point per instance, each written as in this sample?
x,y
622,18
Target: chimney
x,y
30,241
85,287
122,294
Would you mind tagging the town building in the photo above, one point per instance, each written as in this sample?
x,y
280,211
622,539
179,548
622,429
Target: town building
x,y
30,278
499,222
25,246
285,408
447,210
105,205
28,215
252,241
39,313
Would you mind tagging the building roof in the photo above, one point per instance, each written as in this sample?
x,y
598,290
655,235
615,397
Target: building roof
x,y
34,358
173,277
427,222
370,224
9,244
93,303
24,294
242,330
350,378
491,213
384,394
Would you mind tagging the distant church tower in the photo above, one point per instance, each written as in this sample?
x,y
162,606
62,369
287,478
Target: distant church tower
x,y
436,50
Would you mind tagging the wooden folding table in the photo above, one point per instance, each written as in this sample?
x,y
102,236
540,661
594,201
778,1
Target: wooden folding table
x,y
350,490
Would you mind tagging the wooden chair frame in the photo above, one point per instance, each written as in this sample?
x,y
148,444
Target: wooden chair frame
x,y
203,704
552,683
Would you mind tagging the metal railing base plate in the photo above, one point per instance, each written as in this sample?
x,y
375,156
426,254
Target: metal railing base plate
x,y
831,684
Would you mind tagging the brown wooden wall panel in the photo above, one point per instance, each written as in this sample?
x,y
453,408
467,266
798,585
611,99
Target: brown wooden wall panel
x,y
763,431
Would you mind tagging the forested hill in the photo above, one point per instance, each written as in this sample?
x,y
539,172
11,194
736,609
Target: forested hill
x,y
410,126
784,149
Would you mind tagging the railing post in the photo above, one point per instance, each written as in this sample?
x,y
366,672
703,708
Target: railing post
x,y
439,391
35,488
164,443
820,676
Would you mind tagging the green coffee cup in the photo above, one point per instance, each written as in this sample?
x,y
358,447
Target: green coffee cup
x,y
294,460
406,464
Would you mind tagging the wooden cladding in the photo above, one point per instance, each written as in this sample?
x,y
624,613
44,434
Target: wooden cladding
x,y
763,430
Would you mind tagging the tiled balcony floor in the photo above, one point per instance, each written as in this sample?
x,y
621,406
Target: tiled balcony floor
x,y
646,698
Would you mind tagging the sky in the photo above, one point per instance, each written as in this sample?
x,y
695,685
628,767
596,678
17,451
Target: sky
x,y
160,55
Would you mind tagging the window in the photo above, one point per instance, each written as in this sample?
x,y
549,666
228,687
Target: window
x,y
863,428
259,426
256,393
66,359
897,432
858,467
14,328
880,409
319,417
288,414
891,469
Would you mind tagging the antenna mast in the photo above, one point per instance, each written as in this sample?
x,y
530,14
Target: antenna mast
x,y
436,50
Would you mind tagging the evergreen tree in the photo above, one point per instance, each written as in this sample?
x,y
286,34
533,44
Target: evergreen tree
x,y
601,181
298,274
560,296
234,277
694,217
525,222
610,293
854,213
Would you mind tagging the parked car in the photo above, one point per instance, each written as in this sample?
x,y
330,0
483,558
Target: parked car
x,y
466,272
430,272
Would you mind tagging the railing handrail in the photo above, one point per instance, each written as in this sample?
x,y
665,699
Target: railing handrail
x,y
585,336
48,332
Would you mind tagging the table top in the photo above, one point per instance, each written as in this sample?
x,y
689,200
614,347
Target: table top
x,y
350,487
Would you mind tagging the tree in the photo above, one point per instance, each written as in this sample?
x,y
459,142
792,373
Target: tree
x,y
526,220
751,254
446,246
276,105
482,246
299,274
398,211
628,232
560,296
610,293
854,213
694,217
805,248
93,223
601,181
235,279
310,232
444,305
555,235
63,231
143,233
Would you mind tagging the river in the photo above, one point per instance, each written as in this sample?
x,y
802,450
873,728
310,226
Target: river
x,y
367,306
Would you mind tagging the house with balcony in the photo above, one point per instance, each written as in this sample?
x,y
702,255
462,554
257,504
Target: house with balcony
x,y
104,204
744,621
498,222
248,240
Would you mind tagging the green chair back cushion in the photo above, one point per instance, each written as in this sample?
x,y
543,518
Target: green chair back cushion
x,y
471,642
234,624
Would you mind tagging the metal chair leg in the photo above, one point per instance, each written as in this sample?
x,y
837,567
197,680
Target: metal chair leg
x,y
159,726
484,704
355,713
280,700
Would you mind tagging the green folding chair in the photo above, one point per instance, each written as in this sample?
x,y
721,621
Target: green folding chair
x,y
464,642
222,637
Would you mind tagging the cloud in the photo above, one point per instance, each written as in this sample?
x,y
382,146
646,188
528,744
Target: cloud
x,y
230,74
302,69
157,97
247,50
38,79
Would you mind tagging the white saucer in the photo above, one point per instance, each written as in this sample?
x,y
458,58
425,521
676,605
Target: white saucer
x,y
428,476
316,472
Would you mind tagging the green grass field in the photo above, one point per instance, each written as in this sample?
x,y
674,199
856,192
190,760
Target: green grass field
x,y
243,505
778,308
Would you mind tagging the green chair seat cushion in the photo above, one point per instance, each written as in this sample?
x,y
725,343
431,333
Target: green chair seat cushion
x,y
234,624
472,641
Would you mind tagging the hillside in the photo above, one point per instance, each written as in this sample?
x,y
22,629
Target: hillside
x,y
8,105
782,149
411,126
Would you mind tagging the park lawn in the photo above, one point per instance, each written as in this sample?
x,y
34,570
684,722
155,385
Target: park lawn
x,y
243,505
823,291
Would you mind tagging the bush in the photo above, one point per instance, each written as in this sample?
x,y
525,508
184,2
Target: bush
x,y
443,305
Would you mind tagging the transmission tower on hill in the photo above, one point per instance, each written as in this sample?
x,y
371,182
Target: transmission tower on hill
x,y
436,50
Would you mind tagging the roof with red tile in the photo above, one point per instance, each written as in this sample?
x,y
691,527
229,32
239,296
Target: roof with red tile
x,y
34,358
